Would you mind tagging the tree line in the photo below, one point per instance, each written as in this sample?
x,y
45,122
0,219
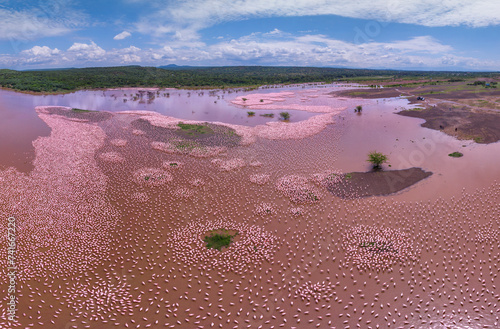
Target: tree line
x,y
63,80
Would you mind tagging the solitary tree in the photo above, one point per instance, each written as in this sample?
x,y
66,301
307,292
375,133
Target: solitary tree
x,y
358,109
377,159
285,116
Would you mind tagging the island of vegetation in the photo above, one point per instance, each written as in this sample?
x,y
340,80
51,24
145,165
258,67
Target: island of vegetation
x,y
219,239
456,155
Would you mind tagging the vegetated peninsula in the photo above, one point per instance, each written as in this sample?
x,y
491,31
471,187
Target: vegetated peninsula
x,y
66,80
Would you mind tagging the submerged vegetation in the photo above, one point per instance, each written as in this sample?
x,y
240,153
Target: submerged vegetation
x,y
194,130
81,111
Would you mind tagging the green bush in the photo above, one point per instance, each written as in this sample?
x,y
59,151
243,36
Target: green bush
x,y
377,159
217,241
285,116
456,155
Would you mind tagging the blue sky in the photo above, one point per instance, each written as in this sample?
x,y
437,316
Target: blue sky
x,y
394,34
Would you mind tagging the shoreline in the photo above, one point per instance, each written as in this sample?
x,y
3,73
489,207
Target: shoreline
x,y
204,88
378,183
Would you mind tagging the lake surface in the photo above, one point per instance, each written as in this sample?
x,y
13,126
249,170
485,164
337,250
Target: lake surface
x,y
111,233
20,125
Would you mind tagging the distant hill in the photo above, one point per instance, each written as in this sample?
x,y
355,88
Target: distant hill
x,y
53,69
180,67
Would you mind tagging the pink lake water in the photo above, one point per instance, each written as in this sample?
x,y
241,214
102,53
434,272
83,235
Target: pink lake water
x,y
20,125
148,269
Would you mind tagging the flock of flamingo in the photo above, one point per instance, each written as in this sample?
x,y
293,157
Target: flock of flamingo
x,y
112,225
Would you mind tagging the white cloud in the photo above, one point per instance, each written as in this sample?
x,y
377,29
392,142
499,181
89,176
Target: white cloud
x,y
186,18
38,51
122,35
87,52
130,58
128,55
276,32
423,52
318,50
422,44
26,26
39,56
130,50
39,19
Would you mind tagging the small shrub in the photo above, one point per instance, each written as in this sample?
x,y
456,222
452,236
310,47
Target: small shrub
x,y
81,111
217,240
250,113
377,159
285,116
456,155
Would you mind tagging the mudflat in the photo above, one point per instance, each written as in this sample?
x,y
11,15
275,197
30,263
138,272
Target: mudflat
x,y
373,183
461,109
482,126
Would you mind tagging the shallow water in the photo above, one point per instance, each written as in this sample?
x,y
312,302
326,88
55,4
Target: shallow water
x,y
409,145
451,223
20,125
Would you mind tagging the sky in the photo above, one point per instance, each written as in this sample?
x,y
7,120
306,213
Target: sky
x,y
377,34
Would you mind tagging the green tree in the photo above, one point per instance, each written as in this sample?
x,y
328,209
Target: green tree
x,y
377,159
285,116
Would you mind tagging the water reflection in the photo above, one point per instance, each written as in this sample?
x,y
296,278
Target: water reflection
x,y
20,125
184,104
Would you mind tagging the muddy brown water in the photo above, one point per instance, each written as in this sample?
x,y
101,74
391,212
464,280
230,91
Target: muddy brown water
x,y
451,218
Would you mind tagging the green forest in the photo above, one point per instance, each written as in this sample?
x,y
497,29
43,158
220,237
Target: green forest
x,y
65,80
